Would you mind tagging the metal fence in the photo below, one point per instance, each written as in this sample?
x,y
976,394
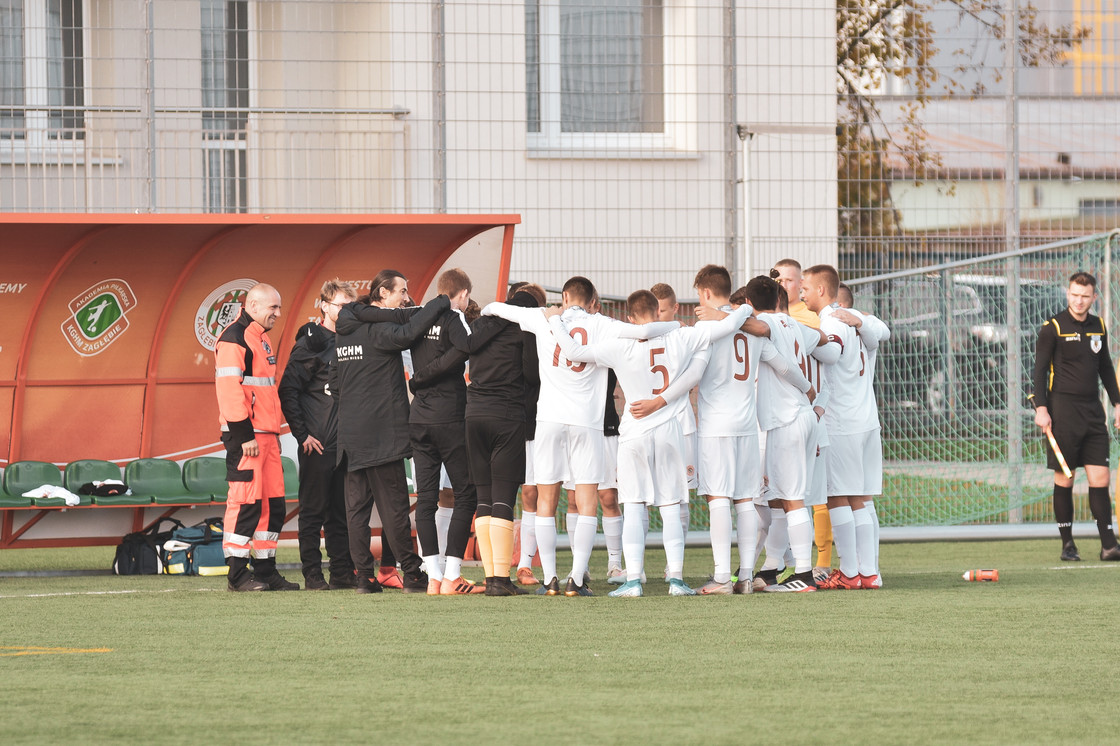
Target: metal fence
x,y
959,441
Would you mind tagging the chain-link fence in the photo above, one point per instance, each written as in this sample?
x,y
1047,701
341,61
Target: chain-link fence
x,y
959,440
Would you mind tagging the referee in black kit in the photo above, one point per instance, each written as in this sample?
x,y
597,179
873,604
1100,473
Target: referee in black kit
x,y
1071,355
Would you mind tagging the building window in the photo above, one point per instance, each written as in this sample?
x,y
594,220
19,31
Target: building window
x,y
1089,207
225,102
41,71
594,67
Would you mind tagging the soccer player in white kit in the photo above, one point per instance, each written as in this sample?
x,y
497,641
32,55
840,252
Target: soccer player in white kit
x,y
855,454
785,415
667,310
569,440
873,332
650,464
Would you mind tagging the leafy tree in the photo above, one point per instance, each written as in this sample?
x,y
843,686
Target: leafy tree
x,y
879,38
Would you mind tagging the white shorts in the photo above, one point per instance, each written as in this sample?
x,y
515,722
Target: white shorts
x,y
444,480
818,478
855,465
790,450
610,463
650,468
729,466
568,453
530,477
689,452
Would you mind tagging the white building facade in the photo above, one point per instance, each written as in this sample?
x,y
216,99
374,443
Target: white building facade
x,y
638,139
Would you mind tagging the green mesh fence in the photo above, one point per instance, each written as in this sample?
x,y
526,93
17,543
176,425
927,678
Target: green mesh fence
x,y
959,441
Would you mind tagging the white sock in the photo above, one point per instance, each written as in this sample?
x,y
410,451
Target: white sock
x,y
528,539
764,518
844,539
800,539
686,517
645,521
612,529
720,521
431,566
570,520
454,568
776,541
546,545
443,522
583,540
746,528
634,539
673,537
865,542
869,506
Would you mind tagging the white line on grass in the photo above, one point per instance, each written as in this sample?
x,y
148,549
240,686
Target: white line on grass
x,y
108,593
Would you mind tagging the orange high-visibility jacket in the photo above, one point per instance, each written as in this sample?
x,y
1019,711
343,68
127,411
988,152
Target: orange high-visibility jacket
x,y
248,401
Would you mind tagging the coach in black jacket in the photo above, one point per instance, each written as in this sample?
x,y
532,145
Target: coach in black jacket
x,y
373,423
311,410
503,363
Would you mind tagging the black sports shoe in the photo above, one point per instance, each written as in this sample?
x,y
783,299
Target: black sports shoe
x,y
571,589
368,585
341,581
417,583
503,587
248,584
801,582
551,588
1110,555
1069,552
315,582
277,582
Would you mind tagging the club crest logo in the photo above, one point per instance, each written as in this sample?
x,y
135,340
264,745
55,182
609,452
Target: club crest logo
x,y
1095,344
220,309
98,316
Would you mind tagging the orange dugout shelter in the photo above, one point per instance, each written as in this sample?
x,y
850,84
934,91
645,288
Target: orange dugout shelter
x,y
109,320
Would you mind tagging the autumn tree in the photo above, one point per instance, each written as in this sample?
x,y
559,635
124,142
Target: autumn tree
x,y
880,38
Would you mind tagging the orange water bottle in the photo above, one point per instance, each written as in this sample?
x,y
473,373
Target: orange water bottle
x,y
979,575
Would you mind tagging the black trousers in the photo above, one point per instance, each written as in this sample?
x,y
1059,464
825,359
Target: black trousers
x,y
322,507
496,449
433,445
385,486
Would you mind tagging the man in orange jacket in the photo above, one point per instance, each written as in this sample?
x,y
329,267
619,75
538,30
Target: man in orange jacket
x,y
249,410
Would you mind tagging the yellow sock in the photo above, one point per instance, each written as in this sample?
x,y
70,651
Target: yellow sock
x,y
822,535
485,550
501,543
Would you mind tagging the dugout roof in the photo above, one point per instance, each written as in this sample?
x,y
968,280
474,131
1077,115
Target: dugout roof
x,y
109,320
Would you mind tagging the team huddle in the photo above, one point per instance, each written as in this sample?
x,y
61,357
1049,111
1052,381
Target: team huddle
x,y
785,433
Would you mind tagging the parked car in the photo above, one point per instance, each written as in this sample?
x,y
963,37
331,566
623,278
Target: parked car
x,y
948,346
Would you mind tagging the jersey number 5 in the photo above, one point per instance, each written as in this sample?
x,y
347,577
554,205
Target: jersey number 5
x,y
655,368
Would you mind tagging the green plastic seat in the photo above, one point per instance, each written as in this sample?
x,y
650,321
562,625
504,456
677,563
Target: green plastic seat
x,y
162,481
12,501
206,475
23,476
80,472
291,479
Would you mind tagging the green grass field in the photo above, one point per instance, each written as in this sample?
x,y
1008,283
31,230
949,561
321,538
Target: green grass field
x,y
928,659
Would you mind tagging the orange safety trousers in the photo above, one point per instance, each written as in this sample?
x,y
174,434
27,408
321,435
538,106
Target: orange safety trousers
x,y
255,505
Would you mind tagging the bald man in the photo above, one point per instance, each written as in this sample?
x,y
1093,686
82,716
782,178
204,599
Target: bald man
x,y
250,416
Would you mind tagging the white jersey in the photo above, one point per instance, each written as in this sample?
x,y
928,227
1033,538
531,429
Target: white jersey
x,y
779,402
572,393
726,404
873,332
646,367
852,408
